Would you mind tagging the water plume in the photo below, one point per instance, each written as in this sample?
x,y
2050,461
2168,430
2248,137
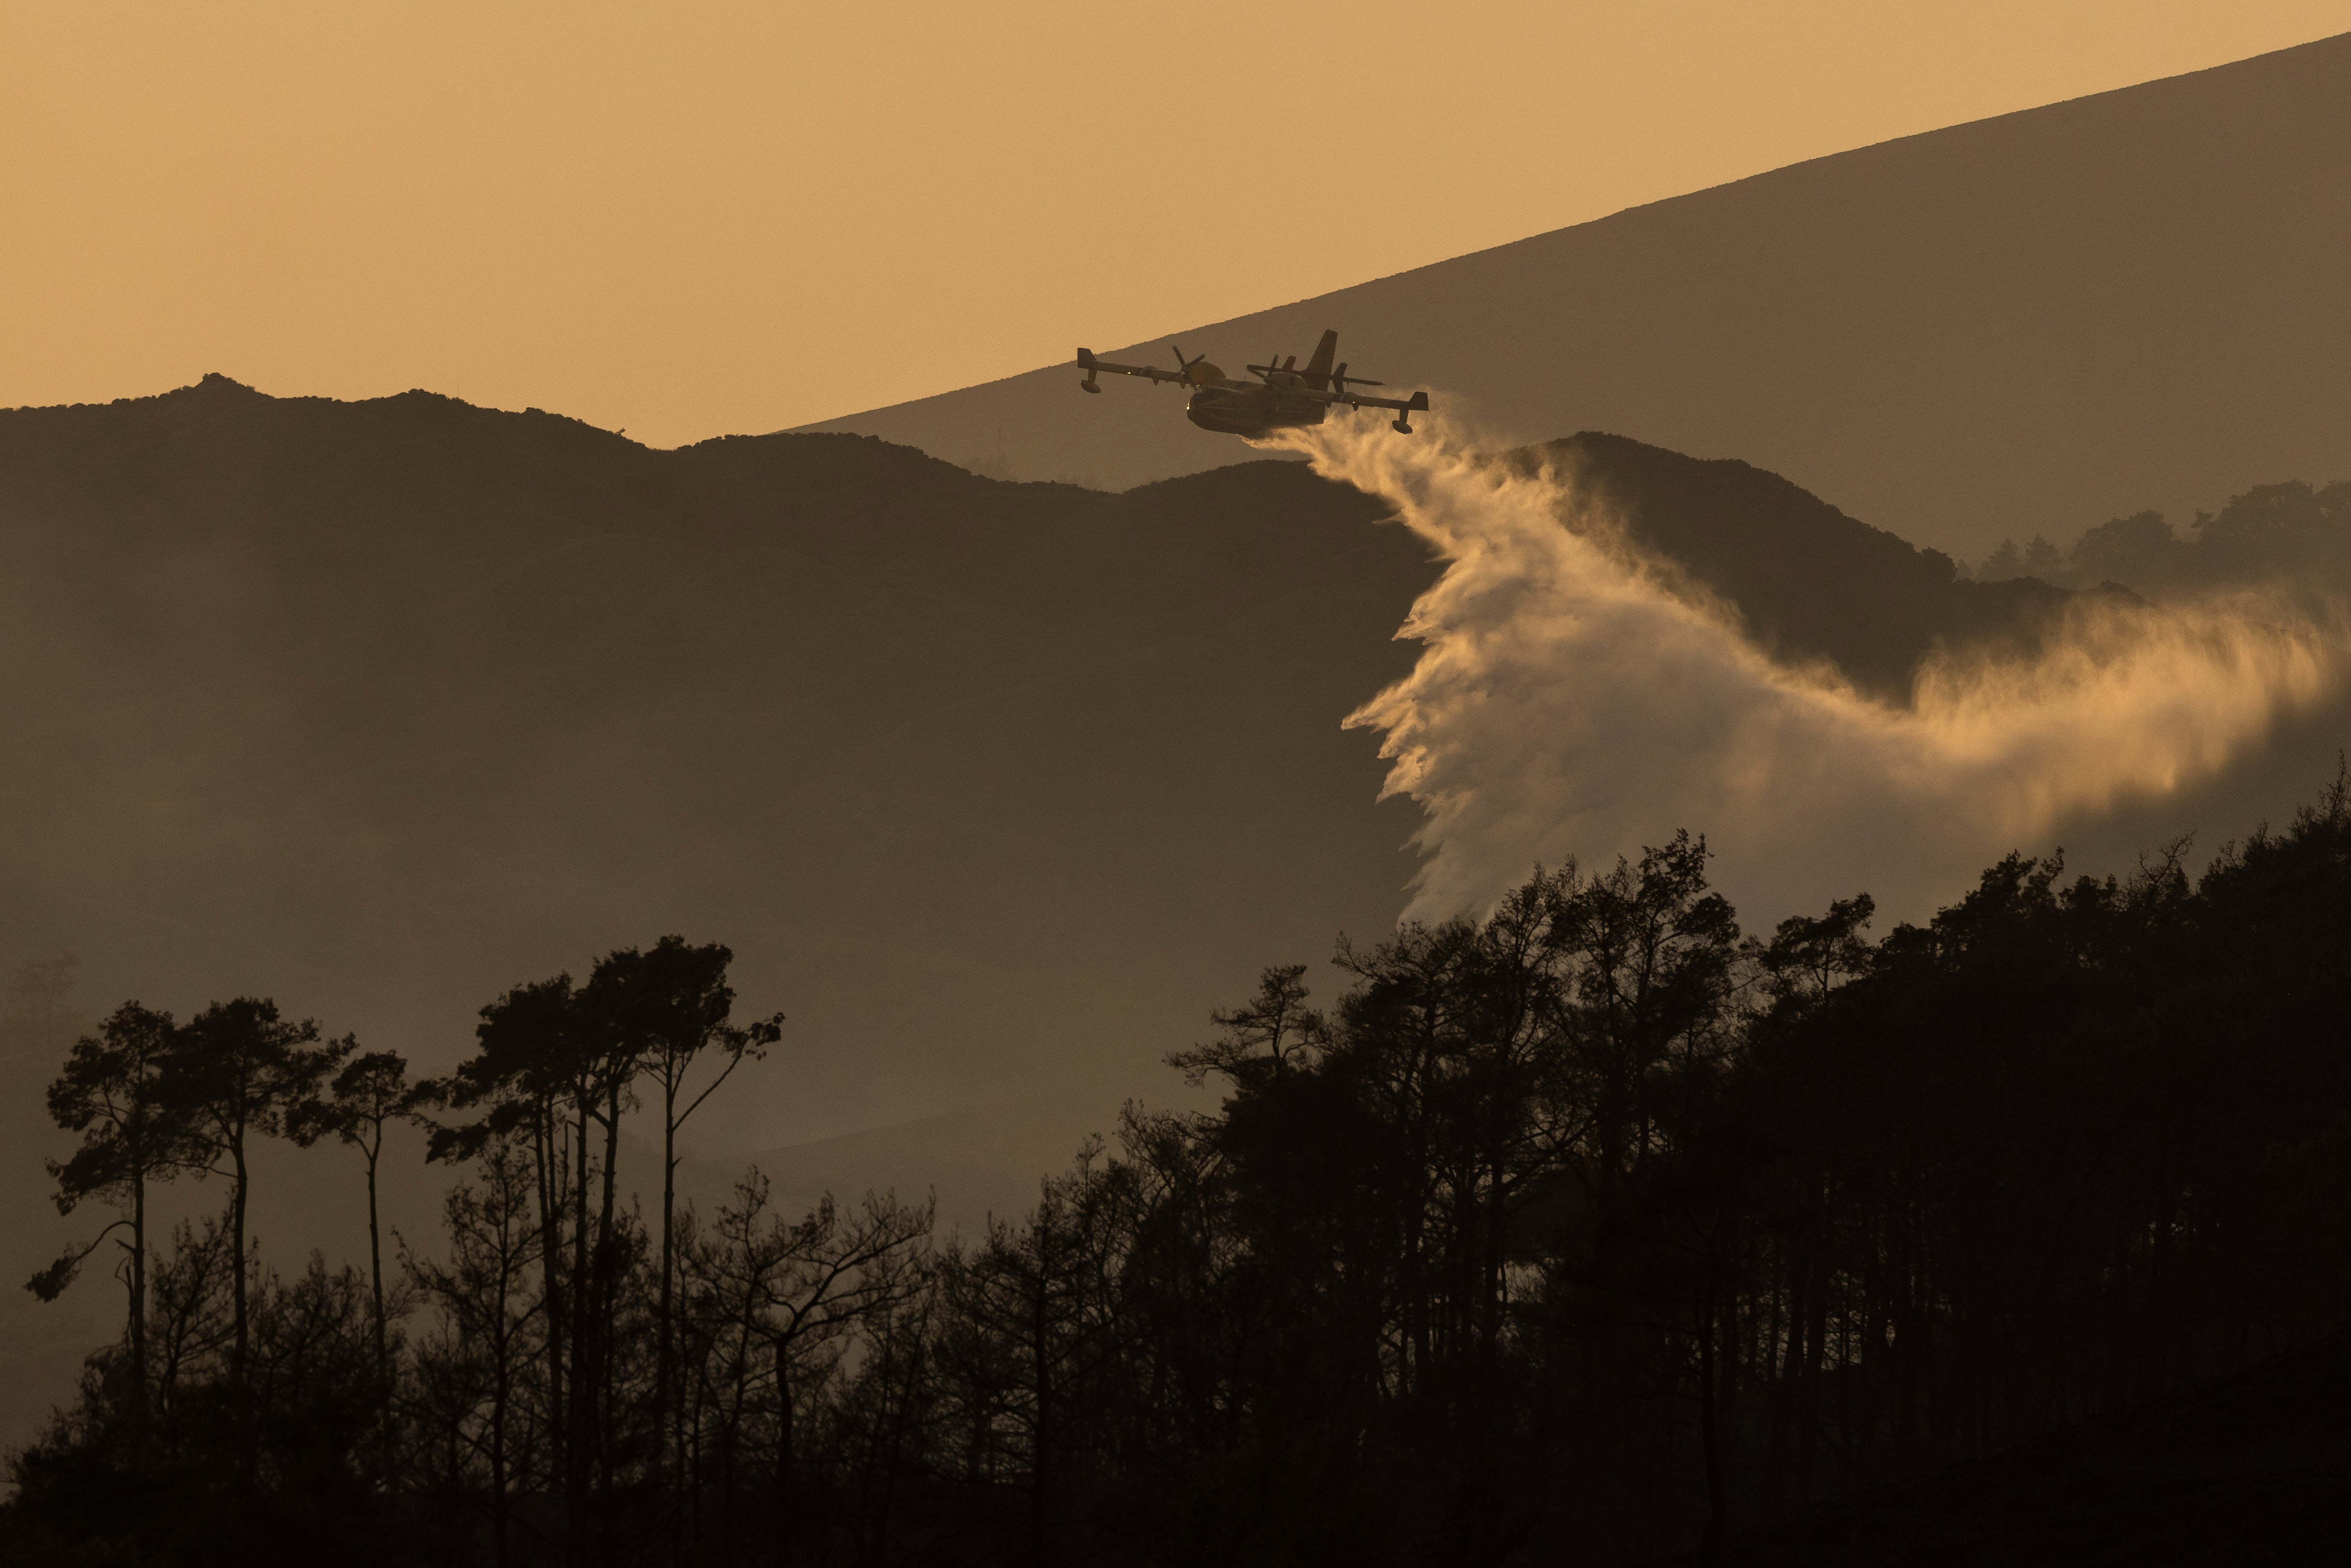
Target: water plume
x,y
1577,698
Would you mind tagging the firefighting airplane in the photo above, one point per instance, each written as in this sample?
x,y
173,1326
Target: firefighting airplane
x,y
1283,396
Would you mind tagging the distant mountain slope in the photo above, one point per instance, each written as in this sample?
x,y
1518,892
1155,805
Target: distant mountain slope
x,y
1809,582
2022,325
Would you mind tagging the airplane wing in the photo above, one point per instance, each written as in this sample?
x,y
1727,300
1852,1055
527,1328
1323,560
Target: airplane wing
x,y
1088,363
1190,375
1416,403
1150,372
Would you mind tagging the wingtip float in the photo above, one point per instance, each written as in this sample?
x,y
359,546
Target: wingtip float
x,y
1284,395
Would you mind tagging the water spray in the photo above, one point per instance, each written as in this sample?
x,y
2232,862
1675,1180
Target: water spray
x,y
1574,697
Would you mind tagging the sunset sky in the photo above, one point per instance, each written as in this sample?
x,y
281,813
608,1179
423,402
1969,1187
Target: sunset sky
x,y
692,220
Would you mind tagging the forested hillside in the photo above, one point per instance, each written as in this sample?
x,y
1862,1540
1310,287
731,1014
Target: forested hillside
x,y
1593,1228
2288,532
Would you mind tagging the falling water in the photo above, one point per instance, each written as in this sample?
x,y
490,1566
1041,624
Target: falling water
x,y
1575,699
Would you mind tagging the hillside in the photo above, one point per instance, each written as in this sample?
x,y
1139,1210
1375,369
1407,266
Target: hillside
x,y
994,788
2159,324
1809,582
391,705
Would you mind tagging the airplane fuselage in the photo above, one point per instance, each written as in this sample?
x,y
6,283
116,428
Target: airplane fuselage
x,y
1252,410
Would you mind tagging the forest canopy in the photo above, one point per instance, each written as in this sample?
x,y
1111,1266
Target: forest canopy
x,y
1591,1229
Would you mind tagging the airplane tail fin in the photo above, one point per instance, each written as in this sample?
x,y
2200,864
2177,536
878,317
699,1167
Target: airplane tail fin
x,y
1318,369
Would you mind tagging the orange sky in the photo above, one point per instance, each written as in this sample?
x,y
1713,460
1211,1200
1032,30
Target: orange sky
x,y
690,219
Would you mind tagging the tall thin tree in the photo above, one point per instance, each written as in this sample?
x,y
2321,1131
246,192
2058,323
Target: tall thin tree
x,y
236,1070
112,1091
672,1008
530,1075
370,1092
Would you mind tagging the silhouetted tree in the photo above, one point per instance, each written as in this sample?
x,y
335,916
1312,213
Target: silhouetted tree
x,y
370,1092
472,1373
779,1296
2139,550
1655,953
605,1057
526,1078
238,1070
1030,1308
671,1007
1261,1037
1808,957
114,1091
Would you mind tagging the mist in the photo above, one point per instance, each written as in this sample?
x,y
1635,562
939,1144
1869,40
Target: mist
x,y
1576,699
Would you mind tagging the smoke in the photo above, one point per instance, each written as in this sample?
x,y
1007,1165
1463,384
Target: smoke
x,y
1576,699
